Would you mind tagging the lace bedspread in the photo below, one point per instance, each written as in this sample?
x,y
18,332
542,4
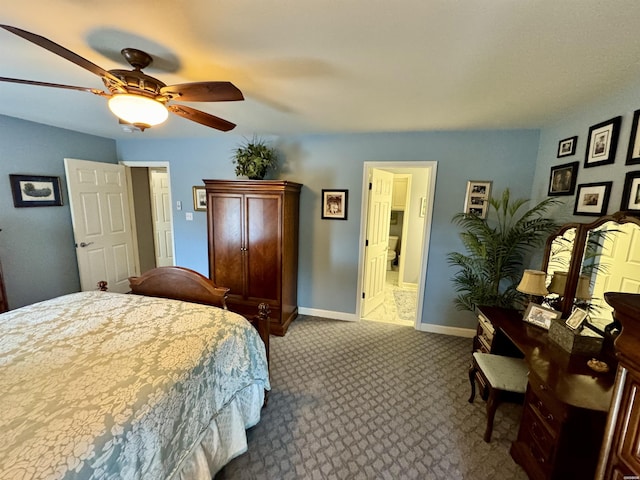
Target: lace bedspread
x,y
99,385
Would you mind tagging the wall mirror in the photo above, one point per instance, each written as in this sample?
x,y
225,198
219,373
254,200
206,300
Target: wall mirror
x,y
585,260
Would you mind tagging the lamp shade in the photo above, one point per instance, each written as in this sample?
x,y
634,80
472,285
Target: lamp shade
x,y
583,290
558,283
533,283
138,109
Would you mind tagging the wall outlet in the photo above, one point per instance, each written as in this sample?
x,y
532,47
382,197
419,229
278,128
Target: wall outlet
x,y
178,205
189,216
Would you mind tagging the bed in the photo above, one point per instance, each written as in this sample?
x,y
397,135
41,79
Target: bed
x,y
100,385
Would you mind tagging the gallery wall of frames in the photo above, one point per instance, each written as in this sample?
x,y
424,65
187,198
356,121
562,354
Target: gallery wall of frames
x,y
600,146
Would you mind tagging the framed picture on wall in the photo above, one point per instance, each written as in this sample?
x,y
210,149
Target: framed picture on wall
x,y
562,179
199,199
477,199
35,191
633,152
334,204
592,199
567,147
631,193
602,143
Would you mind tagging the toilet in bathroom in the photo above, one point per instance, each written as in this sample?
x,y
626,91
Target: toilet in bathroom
x,y
391,252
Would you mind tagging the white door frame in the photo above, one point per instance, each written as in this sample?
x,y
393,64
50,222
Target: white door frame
x,y
148,164
431,191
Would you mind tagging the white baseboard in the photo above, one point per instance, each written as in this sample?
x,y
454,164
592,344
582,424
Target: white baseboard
x,y
408,286
314,312
423,327
455,331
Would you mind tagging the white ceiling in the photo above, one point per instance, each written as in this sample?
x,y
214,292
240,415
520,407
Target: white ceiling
x,y
330,65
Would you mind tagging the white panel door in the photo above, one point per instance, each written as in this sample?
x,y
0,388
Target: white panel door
x,y
101,223
620,271
161,211
375,258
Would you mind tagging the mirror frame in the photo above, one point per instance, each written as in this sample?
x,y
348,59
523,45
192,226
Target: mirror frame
x,y
579,245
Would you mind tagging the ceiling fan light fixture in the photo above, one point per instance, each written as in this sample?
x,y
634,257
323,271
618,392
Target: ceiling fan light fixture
x,y
138,109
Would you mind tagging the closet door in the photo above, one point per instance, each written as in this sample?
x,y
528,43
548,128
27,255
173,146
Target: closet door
x,y
263,252
227,262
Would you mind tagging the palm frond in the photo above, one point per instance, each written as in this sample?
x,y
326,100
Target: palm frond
x,y
489,271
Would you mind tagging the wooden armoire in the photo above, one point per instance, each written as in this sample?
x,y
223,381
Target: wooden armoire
x,y
620,454
253,245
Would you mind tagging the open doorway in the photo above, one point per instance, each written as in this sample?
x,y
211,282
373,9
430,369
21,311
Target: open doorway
x,y
150,193
407,242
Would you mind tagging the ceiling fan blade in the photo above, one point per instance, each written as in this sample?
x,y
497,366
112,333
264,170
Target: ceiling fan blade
x,y
63,52
54,85
201,117
203,92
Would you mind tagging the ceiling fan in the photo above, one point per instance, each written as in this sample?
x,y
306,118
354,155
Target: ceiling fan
x,y
136,98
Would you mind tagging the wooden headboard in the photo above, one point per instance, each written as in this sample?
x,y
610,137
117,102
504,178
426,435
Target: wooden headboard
x,y
179,283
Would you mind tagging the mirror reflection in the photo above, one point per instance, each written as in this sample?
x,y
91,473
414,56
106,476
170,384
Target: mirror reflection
x,y
607,259
611,263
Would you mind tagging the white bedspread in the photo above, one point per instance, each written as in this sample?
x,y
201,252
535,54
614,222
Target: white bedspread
x,y
99,385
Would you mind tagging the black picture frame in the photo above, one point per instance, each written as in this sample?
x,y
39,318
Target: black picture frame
x,y
592,199
35,191
633,152
602,143
562,179
631,193
335,204
567,147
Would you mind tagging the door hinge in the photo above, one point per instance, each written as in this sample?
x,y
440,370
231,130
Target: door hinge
x,y
370,185
362,294
366,243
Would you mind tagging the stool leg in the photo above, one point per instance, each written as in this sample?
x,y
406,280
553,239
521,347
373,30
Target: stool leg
x,y
492,405
472,380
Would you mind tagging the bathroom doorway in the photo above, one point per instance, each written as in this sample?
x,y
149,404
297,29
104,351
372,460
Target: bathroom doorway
x,y
409,226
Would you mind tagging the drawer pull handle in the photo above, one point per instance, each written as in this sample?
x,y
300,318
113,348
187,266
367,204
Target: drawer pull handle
x,y
550,418
543,386
537,432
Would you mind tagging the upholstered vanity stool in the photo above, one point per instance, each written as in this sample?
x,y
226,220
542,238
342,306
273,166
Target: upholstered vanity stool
x,y
503,374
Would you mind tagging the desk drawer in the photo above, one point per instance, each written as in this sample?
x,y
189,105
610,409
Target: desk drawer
x,y
486,331
548,409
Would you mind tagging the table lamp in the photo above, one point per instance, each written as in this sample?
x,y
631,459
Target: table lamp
x,y
533,284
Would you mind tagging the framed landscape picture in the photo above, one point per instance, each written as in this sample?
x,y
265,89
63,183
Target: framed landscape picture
x,y
540,316
35,191
592,199
602,143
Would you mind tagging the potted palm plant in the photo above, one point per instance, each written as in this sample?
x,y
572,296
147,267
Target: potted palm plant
x,y
496,248
254,158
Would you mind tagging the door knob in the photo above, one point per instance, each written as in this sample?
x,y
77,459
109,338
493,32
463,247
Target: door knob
x,y
82,244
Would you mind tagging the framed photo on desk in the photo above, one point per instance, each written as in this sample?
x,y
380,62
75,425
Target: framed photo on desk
x,y
540,316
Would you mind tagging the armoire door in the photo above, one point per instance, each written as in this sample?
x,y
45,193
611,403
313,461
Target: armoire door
x,y
228,262
262,243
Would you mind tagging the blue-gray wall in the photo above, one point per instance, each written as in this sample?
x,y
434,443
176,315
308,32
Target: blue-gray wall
x,y
328,259
36,244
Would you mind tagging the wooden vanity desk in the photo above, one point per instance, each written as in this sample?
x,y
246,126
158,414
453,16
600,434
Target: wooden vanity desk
x,y
566,403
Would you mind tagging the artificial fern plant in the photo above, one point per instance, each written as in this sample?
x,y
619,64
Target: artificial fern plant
x,y
254,158
496,249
